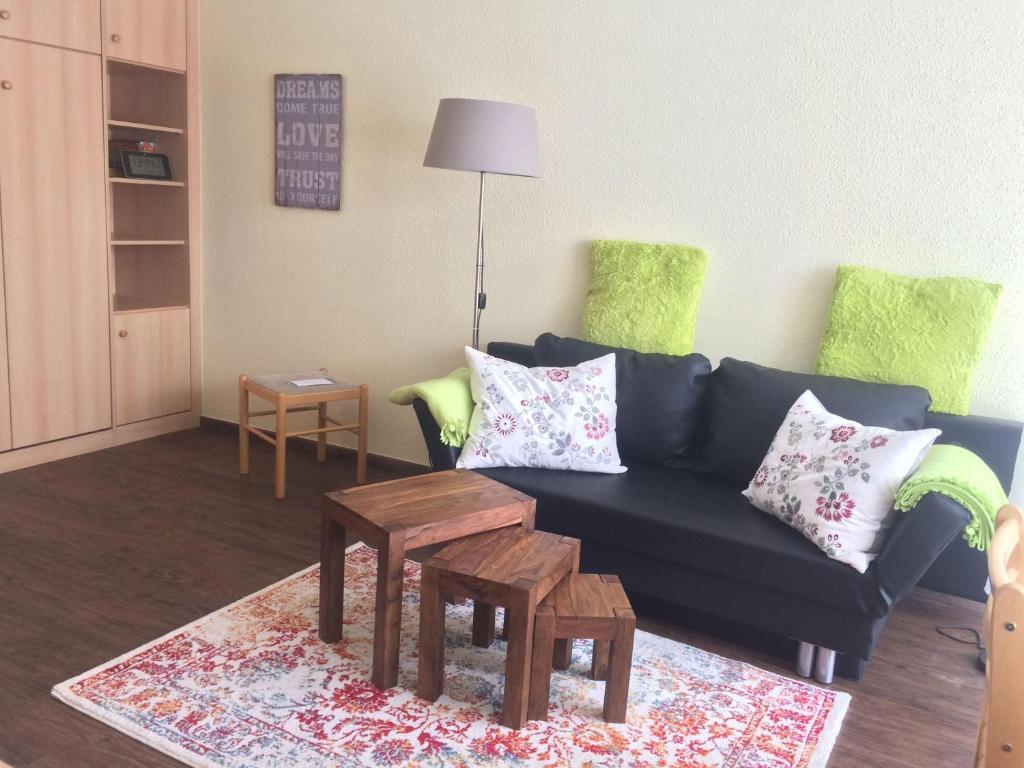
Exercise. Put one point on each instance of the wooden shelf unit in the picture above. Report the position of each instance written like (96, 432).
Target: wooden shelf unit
(99, 275)
(153, 224)
(149, 230)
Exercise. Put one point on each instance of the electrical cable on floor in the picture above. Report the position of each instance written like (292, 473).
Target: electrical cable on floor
(967, 636)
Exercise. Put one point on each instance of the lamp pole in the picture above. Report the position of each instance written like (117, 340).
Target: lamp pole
(479, 297)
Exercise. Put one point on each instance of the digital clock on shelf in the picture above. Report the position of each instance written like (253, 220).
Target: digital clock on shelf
(145, 165)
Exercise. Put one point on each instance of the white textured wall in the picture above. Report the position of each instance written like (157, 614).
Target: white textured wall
(783, 137)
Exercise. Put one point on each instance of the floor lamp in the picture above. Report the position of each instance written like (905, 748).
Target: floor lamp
(485, 137)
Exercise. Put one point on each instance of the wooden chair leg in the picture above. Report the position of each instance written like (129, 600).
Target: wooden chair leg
(280, 446)
(599, 662)
(517, 664)
(540, 667)
(364, 416)
(616, 692)
(243, 427)
(321, 438)
(483, 624)
(430, 680)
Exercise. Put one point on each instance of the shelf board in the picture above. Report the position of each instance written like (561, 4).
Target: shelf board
(120, 66)
(144, 126)
(132, 306)
(129, 241)
(149, 182)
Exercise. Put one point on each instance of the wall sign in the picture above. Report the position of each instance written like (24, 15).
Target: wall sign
(307, 141)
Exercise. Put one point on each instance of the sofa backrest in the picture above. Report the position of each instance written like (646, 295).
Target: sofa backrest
(747, 404)
(996, 441)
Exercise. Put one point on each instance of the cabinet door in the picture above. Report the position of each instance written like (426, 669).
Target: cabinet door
(145, 31)
(64, 23)
(5, 392)
(151, 364)
(52, 195)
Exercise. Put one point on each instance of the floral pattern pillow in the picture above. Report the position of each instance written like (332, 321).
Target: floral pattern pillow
(556, 418)
(834, 480)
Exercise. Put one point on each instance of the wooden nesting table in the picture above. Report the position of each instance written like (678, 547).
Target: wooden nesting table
(394, 518)
(512, 567)
(584, 606)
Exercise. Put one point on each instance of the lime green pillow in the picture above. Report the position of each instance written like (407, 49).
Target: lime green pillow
(644, 296)
(905, 330)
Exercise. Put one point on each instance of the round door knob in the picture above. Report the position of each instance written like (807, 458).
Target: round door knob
(5, 14)
(6, 85)
(122, 333)
(115, 38)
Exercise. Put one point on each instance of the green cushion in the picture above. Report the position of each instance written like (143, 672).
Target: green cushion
(644, 296)
(906, 330)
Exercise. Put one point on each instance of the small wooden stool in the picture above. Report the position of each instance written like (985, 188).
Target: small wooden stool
(512, 567)
(593, 607)
(288, 397)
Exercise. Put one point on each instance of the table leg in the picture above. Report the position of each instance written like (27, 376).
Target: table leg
(540, 673)
(561, 658)
(332, 579)
(280, 446)
(364, 415)
(430, 680)
(517, 663)
(616, 692)
(483, 624)
(243, 427)
(599, 662)
(529, 514)
(387, 630)
(321, 438)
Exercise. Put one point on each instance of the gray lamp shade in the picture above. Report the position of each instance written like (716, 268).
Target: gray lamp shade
(487, 136)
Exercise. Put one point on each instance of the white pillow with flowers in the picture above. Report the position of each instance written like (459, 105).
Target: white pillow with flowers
(834, 480)
(555, 418)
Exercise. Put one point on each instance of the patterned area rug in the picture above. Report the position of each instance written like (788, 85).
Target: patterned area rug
(252, 685)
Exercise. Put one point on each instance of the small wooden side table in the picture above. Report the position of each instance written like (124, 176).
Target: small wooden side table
(512, 567)
(395, 517)
(589, 606)
(289, 398)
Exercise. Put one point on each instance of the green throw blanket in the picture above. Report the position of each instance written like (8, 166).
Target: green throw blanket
(962, 476)
(449, 400)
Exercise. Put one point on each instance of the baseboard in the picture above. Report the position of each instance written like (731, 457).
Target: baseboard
(338, 451)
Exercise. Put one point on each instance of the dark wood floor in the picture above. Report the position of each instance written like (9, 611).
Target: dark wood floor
(104, 552)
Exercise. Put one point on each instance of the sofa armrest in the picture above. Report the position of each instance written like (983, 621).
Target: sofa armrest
(441, 456)
(522, 354)
(918, 537)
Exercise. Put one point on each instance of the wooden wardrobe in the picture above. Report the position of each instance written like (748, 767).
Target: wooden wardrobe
(100, 339)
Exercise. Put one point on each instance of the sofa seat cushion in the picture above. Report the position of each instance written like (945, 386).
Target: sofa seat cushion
(690, 519)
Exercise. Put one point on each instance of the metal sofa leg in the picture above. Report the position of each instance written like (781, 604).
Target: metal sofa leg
(804, 659)
(824, 666)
